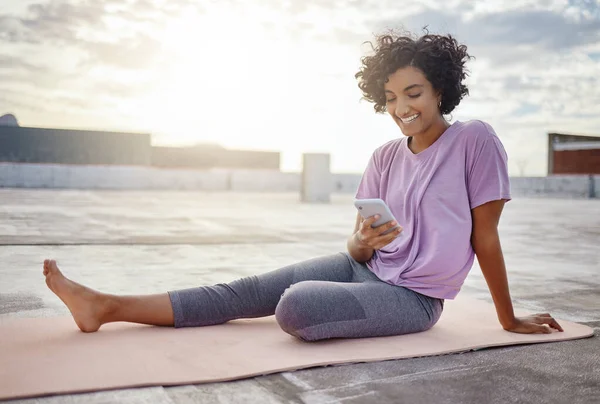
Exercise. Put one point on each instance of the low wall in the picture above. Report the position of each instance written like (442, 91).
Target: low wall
(107, 177)
(560, 186)
(139, 177)
(346, 183)
(263, 180)
(120, 177)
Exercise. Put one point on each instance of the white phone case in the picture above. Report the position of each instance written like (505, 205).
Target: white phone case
(372, 207)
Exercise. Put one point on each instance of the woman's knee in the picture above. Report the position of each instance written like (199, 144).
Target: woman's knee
(286, 312)
(296, 310)
(314, 310)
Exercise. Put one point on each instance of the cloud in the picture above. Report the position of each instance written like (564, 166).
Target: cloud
(25, 73)
(51, 54)
(540, 29)
(50, 101)
(11, 30)
(18, 63)
(54, 21)
(66, 22)
(129, 53)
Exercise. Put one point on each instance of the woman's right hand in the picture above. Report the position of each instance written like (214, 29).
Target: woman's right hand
(373, 237)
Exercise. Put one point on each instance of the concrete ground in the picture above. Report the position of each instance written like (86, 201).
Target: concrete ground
(147, 242)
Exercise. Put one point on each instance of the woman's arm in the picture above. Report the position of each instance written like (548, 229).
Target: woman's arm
(486, 244)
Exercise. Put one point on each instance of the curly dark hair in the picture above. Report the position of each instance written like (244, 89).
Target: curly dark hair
(440, 57)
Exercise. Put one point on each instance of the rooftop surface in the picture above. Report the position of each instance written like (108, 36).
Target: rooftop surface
(149, 242)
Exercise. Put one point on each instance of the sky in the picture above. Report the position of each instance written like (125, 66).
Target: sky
(279, 74)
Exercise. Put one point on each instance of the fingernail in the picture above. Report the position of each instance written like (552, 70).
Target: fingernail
(394, 223)
(377, 217)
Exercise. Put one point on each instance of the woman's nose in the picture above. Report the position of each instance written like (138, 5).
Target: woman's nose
(401, 110)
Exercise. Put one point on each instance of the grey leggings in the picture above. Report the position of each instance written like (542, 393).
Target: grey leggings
(327, 297)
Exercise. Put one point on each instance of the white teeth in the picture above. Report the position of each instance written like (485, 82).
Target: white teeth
(410, 118)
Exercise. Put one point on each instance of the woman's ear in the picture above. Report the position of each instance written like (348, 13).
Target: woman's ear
(438, 95)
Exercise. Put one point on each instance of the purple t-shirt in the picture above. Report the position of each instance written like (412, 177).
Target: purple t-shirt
(431, 194)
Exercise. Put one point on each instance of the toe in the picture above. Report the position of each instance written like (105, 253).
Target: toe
(50, 267)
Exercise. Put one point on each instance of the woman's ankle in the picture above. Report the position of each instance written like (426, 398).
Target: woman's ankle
(109, 308)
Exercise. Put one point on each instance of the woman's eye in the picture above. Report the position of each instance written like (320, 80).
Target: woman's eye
(414, 96)
(390, 100)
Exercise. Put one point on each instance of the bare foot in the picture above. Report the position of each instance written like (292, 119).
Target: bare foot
(87, 306)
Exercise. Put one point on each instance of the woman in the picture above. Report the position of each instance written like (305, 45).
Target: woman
(446, 185)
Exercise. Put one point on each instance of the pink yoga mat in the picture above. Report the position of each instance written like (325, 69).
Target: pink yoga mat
(45, 356)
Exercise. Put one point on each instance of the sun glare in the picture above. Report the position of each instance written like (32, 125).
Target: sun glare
(214, 84)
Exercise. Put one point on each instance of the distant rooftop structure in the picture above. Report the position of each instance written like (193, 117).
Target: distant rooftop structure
(8, 120)
(573, 154)
(20, 144)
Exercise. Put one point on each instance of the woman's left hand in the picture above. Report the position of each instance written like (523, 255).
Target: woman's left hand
(534, 324)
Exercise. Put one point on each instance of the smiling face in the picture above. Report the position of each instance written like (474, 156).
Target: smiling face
(412, 101)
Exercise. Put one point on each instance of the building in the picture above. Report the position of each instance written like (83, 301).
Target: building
(573, 154)
(61, 146)
(84, 147)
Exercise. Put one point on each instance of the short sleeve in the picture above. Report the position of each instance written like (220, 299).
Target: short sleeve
(370, 181)
(488, 175)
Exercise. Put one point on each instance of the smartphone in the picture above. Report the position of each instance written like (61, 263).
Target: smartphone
(372, 207)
